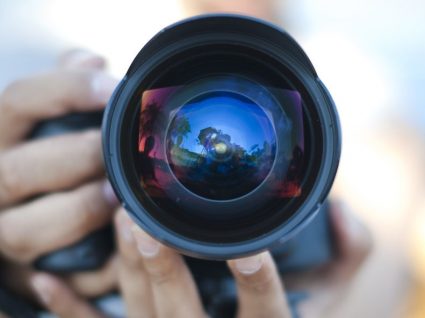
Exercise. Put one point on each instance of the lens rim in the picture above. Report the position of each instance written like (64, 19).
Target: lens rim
(283, 48)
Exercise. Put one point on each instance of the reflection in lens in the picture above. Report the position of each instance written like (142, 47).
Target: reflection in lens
(221, 145)
(218, 150)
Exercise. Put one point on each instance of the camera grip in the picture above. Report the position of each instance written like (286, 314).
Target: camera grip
(92, 251)
(87, 254)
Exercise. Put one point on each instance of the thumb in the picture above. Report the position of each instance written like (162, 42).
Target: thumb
(80, 58)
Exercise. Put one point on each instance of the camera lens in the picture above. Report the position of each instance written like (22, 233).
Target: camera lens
(222, 141)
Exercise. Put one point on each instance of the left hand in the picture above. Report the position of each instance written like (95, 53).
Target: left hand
(51, 189)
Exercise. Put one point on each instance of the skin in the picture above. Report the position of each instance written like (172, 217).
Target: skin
(264, 9)
(52, 190)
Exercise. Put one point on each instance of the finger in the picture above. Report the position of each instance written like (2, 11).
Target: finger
(79, 58)
(354, 243)
(46, 96)
(260, 291)
(133, 278)
(89, 284)
(95, 283)
(173, 288)
(49, 164)
(62, 162)
(60, 299)
(328, 285)
(53, 221)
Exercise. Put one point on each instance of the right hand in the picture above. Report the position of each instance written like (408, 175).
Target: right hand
(52, 192)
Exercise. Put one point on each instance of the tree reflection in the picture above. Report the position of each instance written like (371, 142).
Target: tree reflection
(213, 158)
(208, 161)
(150, 116)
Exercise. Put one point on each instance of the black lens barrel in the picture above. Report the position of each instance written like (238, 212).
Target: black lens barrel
(201, 49)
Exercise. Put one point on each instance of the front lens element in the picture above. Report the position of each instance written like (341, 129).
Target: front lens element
(223, 148)
(221, 145)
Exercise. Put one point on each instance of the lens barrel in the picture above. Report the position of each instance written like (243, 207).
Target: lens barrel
(221, 140)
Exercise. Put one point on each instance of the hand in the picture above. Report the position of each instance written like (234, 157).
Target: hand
(326, 286)
(155, 281)
(51, 190)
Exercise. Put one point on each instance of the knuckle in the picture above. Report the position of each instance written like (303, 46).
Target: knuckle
(79, 85)
(91, 142)
(11, 243)
(84, 209)
(162, 273)
(9, 180)
(9, 98)
(261, 286)
(132, 262)
(258, 284)
(91, 138)
(88, 208)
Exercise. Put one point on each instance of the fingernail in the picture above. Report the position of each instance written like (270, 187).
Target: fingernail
(249, 265)
(109, 194)
(146, 245)
(124, 228)
(41, 286)
(103, 86)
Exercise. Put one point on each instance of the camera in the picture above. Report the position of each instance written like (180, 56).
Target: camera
(220, 141)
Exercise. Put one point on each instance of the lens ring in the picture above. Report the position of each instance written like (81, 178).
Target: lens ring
(272, 43)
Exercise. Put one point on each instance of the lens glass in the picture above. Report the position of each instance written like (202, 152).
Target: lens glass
(221, 145)
(225, 146)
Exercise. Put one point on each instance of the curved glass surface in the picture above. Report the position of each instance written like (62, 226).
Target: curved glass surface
(221, 145)
(225, 149)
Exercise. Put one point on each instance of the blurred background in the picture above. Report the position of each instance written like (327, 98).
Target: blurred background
(369, 53)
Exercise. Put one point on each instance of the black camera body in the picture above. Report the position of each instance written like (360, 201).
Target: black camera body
(170, 146)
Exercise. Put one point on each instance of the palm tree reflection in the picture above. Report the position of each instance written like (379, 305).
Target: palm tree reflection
(208, 161)
(215, 166)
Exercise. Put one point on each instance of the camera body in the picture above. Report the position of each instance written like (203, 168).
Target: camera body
(159, 164)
